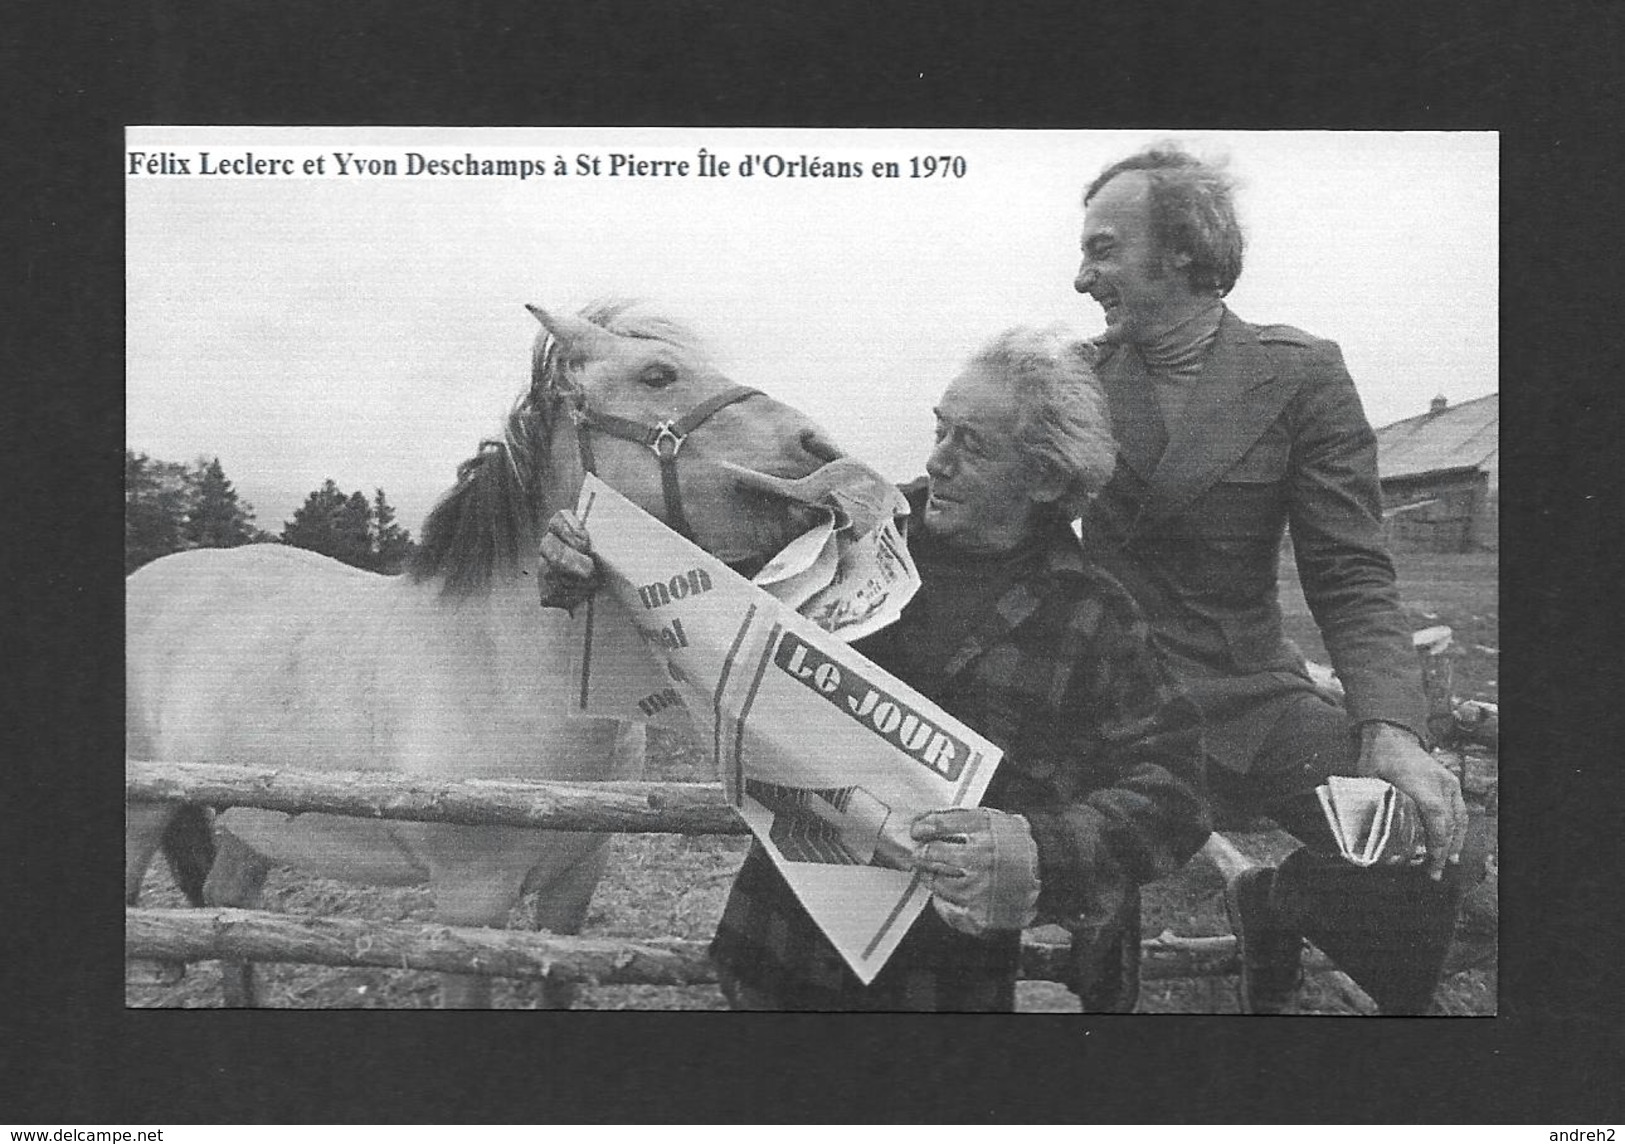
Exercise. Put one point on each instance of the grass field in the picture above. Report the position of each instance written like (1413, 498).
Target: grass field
(671, 885)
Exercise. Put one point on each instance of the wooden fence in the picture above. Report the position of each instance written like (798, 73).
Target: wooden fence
(641, 807)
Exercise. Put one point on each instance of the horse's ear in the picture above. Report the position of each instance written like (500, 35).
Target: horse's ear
(584, 338)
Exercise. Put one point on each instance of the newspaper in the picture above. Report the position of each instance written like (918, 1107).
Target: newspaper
(1372, 821)
(817, 747)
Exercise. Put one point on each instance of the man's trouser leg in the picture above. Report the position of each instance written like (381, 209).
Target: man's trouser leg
(1105, 957)
(1387, 928)
(901, 987)
(770, 955)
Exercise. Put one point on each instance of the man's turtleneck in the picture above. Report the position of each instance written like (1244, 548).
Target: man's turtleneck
(1174, 358)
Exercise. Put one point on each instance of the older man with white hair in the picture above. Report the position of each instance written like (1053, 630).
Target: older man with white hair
(1015, 633)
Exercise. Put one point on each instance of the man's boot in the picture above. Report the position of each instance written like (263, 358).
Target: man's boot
(1267, 945)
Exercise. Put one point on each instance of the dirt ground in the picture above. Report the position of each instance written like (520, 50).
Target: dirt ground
(675, 885)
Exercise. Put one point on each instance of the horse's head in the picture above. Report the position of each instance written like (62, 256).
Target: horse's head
(603, 383)
(652, 417)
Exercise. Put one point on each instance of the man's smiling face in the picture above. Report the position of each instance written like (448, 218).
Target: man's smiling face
(1141, 290)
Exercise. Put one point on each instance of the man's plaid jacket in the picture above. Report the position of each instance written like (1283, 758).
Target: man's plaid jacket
(1102, 756)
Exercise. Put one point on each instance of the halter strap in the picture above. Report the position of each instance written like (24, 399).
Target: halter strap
(664, 438)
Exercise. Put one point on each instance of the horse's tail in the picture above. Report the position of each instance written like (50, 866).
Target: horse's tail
(189, 846)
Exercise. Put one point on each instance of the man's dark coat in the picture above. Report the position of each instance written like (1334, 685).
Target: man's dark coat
(1273, 434)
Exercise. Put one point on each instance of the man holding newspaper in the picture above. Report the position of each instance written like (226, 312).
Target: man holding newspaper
(1016, 635)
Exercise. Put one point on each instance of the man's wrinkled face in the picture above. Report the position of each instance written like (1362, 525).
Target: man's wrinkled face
(981, 486)
(1123, 268)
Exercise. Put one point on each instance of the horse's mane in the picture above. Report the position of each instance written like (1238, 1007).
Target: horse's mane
(486, 524)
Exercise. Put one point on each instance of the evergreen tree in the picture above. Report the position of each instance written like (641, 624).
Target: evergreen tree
(349, 528)
(352, 523)
(157, 498)
(171, 507)
(314, 524)
(218, 518)
(392, 543)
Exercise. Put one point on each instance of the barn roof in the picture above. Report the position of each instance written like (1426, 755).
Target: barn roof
(1465, 436)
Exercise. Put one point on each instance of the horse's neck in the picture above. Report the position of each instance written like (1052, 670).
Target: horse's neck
(529, 640)
(504, 634)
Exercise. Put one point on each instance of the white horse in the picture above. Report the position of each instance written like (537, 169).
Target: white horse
(274, 655)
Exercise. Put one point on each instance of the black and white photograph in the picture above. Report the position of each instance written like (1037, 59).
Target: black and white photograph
(1162, 467)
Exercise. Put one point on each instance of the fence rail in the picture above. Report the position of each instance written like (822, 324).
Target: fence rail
(616, 807)
(257, 935)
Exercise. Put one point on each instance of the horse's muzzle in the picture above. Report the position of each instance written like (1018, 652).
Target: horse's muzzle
(860, 497)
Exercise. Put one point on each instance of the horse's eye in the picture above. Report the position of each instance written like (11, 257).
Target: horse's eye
(658, 376)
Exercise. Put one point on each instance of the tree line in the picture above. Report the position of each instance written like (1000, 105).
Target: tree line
(172, 507)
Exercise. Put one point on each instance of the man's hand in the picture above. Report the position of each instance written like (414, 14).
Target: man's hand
(569, 574)
(1395, 756)
(983, 865)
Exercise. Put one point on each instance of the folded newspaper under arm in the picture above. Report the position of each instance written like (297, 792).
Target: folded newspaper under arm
(1373, 822)
(818, 748)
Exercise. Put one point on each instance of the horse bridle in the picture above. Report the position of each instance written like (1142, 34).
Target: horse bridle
(664, 438)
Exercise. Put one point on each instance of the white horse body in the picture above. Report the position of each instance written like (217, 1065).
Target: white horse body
(275, 656)
(270, 655)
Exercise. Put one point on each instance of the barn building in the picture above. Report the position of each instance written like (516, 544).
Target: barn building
(1441, 477)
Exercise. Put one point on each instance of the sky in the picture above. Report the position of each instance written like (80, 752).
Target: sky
(370, 328)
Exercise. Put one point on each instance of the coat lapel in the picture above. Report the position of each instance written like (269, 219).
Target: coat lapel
(1237, 397)
(1136, 421)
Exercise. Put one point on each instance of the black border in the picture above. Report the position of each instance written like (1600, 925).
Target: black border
(1542, 74)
